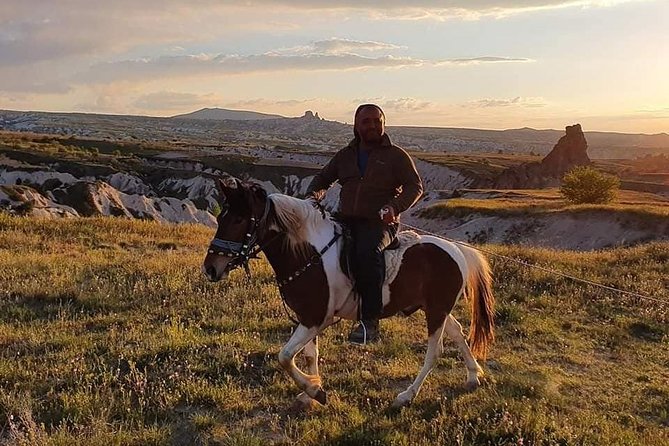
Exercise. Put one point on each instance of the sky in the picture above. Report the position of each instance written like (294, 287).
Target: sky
(493, 64)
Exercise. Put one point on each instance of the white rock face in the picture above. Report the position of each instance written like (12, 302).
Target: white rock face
(193, 188)
(103, 199)
(10, 177)
(129, 184)
(437, 177)
(110, 201)
(39, 204)
(297, 186)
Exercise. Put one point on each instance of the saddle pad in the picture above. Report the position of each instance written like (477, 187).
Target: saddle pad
(394, 257)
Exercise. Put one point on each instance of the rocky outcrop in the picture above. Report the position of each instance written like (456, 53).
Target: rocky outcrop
(25, 200)
(59, 194)
(570, 151)
(311, 115)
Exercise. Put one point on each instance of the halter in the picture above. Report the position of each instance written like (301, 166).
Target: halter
(241, 252)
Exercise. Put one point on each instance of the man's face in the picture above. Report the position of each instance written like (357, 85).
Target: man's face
(370, 125)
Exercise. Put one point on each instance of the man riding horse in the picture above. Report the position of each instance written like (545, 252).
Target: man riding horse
(378, 182)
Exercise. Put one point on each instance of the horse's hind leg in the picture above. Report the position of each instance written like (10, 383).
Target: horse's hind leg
(454, 331)
(311, 384)
(304, 401)
(434, 349)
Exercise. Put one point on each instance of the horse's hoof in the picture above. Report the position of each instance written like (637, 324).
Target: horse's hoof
(321, 397)
(399, 403)
(470, 386)
(304, 403)
(403, 399)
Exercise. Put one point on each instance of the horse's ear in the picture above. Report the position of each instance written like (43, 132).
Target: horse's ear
(229, 182)
(258, 191)
(227, 185)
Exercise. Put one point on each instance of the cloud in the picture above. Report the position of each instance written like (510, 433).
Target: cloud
(440, 9)
(406, 105)
(222, 64)
(480, 60)
(260, 102)
(338, 46)
(41, 30)
(655, 112)
(27, 79)
(514, 102)
(27, 42)
(201, 65)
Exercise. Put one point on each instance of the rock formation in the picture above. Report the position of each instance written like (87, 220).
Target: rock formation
(570, 151)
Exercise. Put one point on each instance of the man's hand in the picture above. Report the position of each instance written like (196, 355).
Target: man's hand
(317, 196)
(387, 214)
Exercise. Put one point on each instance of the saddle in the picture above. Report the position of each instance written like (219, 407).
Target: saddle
(346, 253)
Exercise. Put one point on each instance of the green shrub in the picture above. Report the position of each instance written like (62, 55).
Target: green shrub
(583, 184)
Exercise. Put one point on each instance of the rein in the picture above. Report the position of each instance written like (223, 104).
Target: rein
(314, 260)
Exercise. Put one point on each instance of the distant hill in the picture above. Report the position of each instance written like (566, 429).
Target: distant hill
(220, 114)
(237, 128)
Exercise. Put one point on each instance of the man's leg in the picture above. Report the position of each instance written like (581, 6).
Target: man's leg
(371, 238)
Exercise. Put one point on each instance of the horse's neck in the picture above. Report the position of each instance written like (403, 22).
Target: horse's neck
(283, 261)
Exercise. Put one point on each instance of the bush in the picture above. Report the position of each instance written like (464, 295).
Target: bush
(583, 184)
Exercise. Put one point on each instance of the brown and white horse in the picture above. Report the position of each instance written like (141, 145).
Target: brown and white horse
(301, 243)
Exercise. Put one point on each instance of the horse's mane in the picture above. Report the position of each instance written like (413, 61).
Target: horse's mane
(298, 219)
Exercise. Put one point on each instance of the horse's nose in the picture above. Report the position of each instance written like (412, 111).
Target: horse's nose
(210, 272)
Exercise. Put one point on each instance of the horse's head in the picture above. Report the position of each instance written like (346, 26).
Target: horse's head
(244, 208)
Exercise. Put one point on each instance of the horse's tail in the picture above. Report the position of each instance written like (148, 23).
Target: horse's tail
(478, 288)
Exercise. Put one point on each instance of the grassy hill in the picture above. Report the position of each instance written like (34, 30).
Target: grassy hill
(110, 335)
(524, 202)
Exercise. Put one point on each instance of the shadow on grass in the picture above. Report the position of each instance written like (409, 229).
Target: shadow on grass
(185, 430)
(431, 408)
(647, 332)
(24, 307)
(359, 436)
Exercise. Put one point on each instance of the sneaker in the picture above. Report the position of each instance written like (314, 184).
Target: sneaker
(367, 331)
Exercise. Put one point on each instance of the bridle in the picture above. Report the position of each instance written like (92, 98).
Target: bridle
(241, 252)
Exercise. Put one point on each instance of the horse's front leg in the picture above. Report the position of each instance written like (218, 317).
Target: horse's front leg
(303, 400)
(310, 384)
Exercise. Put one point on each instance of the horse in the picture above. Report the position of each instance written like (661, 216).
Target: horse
(302, 243)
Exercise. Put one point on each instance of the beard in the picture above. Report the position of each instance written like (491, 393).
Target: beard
(371, 136)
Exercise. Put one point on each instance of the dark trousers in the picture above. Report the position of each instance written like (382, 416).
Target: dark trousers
(370, 238)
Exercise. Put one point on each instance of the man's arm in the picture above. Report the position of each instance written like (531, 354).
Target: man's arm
(324, 179)
(412, 186)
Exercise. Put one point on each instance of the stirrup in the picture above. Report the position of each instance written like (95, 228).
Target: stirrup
(365, 338)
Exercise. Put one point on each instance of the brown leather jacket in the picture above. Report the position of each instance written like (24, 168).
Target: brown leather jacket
(390, 179)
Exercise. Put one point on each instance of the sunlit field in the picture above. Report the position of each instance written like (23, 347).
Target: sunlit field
(521, 202)
(111, 335)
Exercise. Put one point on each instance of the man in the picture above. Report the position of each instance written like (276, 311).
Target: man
(378, 182)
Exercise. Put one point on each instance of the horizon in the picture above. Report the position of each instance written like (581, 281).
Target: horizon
(343, 122)
(473, 64)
